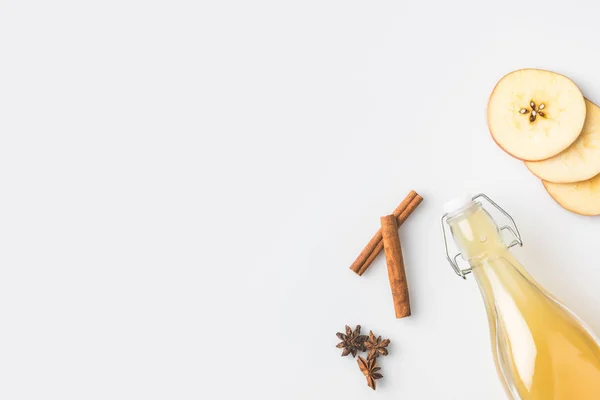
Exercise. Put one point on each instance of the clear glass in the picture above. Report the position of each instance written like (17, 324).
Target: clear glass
(541, 349)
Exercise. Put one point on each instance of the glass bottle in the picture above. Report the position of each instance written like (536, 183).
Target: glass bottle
(541, 349)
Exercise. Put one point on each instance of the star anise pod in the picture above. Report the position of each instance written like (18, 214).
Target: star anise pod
(376, 346)
(369, 368)
(351, 342)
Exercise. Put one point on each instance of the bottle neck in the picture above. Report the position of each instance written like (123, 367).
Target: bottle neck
(476, 235)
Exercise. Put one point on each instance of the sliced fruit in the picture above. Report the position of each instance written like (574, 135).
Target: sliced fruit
(581, 161)
(579, 197)
(535, 114)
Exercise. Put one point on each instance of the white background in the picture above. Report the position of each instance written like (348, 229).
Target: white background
(183, 185)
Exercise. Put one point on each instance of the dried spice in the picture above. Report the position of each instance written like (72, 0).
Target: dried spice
(374, 247)
(370, 369)
(376, 346)
(352, 342)
(395, 266)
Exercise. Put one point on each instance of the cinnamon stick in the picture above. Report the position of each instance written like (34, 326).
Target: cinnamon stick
(375, 245)
(395, 266)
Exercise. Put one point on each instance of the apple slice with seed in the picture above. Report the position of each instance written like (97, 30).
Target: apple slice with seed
(581, 161)
(535, 114)
(579, 197)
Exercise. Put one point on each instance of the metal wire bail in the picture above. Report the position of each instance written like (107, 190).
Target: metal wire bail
(512, 229)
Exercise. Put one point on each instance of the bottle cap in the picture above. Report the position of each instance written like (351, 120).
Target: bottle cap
(457, 204)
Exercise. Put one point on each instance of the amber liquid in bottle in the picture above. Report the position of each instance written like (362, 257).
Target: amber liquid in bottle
(541, 349)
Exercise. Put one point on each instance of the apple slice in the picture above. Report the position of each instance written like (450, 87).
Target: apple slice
(579, 197)
(581, 161)
(535, 114)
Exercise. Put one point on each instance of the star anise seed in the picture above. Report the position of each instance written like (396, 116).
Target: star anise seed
(351, 342)
(370, 370)
(376, 346)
